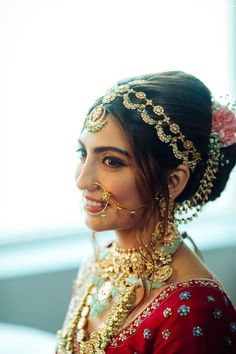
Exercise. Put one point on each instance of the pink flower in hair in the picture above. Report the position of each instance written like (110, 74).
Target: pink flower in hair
(224, 123)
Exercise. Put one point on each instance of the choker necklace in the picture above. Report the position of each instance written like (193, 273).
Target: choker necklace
(115, 278)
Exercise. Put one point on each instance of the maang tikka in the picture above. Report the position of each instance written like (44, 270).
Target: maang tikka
(168, 132)
(138, 101)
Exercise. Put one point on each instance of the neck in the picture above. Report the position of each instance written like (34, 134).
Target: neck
(128, 238)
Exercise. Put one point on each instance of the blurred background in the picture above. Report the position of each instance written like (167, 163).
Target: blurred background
(56, 58)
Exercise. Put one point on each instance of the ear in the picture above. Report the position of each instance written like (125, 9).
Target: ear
(177, 181)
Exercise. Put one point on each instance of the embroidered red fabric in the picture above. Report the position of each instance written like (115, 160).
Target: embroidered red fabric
(194, 317)
(191, 317)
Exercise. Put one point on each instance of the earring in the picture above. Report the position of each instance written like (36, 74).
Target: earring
(165, 242)
(165, 230)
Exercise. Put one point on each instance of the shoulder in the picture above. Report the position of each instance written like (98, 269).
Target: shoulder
(185, 317)
(196, 314)
(188, 265)
(196, 298)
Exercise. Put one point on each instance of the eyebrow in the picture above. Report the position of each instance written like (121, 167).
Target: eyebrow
(101, 149)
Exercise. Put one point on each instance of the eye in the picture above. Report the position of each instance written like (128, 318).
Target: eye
(113, 162)
(81, 153)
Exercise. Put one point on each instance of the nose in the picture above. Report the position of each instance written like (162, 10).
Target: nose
(85, 177)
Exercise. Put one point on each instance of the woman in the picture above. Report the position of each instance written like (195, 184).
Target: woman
(152, 152)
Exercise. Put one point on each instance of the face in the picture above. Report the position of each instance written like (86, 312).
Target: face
(106, 158)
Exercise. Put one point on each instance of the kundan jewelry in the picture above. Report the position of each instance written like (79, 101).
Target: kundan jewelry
(222, 135)
(137, 100)
(115, 278)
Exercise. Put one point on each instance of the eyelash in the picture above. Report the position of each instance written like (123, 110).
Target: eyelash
(114, 161)
(81, 152)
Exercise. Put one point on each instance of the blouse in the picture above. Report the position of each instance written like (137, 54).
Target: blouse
(194, 317)
(190, 317)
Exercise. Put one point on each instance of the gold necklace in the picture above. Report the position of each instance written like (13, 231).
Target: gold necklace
(116, 276)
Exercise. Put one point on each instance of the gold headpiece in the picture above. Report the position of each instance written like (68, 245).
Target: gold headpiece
(183, 149)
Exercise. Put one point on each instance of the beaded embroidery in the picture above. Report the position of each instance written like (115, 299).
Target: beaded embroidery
(197, 331)
(184, 310)
(233, 326)
(166, 333)
(147, 334)
(132, 328)
(210, 299)
(217, 314)
(185, 295)
(229, 341)
(167, 312)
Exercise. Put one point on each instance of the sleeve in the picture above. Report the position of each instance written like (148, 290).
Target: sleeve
(197, 322)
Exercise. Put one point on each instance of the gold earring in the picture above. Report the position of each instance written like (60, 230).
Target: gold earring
(165, 241)
(166, 231)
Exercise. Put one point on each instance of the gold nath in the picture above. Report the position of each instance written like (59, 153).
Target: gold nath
(183, 149)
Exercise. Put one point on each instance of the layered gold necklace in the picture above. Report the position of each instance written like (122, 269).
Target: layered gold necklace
(114, 281)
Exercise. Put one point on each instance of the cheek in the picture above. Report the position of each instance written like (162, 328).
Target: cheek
(125, 191)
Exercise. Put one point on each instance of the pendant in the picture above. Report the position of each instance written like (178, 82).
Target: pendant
(105, 291)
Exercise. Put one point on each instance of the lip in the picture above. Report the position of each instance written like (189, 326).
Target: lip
(94, 209)
(93, 199)
(91, 208)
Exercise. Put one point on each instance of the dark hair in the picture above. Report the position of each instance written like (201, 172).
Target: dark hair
(188, 102)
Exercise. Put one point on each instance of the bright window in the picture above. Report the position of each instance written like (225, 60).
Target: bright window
(56, 57)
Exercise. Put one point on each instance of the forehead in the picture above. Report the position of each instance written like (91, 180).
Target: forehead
(110, 135)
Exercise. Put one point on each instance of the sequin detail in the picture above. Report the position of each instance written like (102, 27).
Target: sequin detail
(211, 299)
(183, 310)
(229, 341)
(166, 333)
(167, 312)
(185, 295)
(147, 334)
(233, 326)
(197, 331)
(217, 314)
(131, 329)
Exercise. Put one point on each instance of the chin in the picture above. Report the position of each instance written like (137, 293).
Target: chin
(96, 224)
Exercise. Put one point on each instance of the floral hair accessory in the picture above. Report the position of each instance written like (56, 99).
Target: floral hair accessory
(222, 135)
(224, 123)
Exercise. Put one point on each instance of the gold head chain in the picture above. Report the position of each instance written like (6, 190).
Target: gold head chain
(183, 149)
(97, 118)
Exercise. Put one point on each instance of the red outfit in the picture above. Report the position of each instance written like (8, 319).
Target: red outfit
(192, 317)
